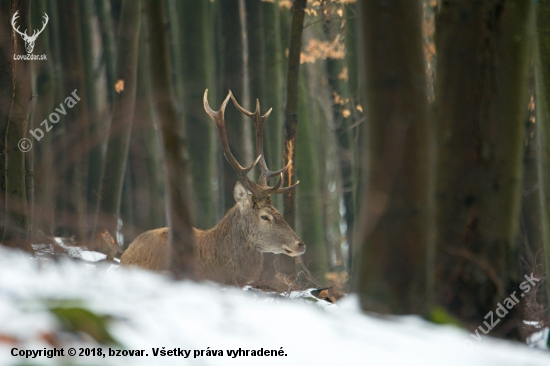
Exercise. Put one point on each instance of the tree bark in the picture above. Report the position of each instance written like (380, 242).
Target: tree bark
(180, 238)
(198, 71)
(6, 85)
(542, 104)
(73, 218)
(16, 230)
(233, 78)
(287, 264)
(391, 266)
(481, 94)
(44, 89)
(116, 156)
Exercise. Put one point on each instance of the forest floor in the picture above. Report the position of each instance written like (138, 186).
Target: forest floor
(47, 304)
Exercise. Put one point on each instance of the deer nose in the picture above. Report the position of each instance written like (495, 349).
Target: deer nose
(301, 246)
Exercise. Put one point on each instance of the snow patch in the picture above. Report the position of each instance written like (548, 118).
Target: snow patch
(149, 310)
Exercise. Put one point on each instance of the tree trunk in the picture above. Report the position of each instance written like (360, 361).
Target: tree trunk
(287, 265)
(198, 71)
(180, 238)
(309, 209)
(45, 91)
(116, 156)
(6, 85)
(149, 141)
(481, 93)
(391, 266)
(108, 43)
(97, 127)
(16, 231)
(542, 92)
(73, 218)
(233, 78)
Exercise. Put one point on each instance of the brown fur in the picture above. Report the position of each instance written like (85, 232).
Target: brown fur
(230, 252)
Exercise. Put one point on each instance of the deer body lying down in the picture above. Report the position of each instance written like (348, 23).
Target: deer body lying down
(230, 252)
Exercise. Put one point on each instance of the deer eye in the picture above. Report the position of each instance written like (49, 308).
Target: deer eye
(265, 217)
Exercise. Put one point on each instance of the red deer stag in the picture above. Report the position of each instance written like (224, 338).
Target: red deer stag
(231, 252)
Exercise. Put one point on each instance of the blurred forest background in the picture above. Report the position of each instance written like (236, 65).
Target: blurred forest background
(424, 176)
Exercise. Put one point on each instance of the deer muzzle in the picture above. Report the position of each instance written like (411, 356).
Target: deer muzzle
(296, 249)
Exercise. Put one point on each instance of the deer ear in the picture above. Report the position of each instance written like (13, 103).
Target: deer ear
(240, 193)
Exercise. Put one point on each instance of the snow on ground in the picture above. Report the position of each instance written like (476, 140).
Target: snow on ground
(150, 311)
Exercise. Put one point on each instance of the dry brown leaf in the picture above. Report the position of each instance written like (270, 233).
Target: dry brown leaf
(119, 86)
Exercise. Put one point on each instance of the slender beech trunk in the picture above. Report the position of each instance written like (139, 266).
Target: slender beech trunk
(6, 85)
(542, 103)
(116, 155)
(44, 89)
(267, 84)
(73, 219)
(340, 73)
(96, 131)
(391, 266)
(198, 71)
(149, 141)
(108, 43)
(180, 221)
(16, 231)
(272, 81)
(310, 211)
(233, 78)
(291, 120)
(481, 94)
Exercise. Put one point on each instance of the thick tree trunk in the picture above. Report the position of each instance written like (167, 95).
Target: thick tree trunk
(116, 155)
(481, 93)
(16, 231)
(180, 238)
(391, 266)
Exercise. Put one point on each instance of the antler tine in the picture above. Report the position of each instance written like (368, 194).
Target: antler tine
(258, 120)
(35, 32)
(219, 119)
(265, 174)
(15, 16)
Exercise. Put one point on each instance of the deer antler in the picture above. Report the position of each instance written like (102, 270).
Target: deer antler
(15, 16)
(260, 190)
(265, 174)
(36, 33)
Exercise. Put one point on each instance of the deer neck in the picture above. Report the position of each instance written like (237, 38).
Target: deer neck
(232, 227)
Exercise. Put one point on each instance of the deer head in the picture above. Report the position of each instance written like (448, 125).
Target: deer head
(29, 40)
(267, 230)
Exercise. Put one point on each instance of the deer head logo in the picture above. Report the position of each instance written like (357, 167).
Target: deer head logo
(29, 40)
